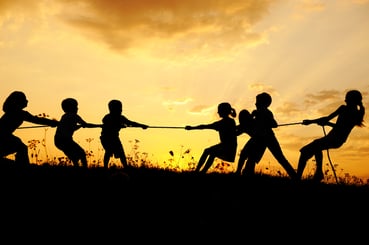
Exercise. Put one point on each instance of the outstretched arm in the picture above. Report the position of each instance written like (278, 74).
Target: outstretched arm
(82, 123)
(41, 120)
(322, 121)
(91, 125)
(137, 125)
(125, 122)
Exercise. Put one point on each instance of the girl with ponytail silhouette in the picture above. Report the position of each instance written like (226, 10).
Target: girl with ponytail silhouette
(226, 149)
(348, 116)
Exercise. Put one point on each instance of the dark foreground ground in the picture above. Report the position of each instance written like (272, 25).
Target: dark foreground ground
(65, 205)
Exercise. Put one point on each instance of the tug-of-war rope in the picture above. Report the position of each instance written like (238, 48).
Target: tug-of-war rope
(179, 127)
(169, 127)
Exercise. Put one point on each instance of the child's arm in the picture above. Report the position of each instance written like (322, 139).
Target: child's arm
(271, 120)
(40, 120)
(85, 124)
(265, 117)
(91, 125)
(188, 127)
(136, 124)
(322, 121)
(201, 126)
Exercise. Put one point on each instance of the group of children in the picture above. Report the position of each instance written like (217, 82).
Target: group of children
(258, 125)
(14, 115)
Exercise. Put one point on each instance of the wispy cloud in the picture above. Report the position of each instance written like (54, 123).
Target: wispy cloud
(323, 96)
(202, 109)
(261, 87)
(171, 104)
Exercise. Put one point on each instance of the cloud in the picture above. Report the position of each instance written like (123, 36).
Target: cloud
(178, 26)
(324, 102)
(177, 102)
(324, 96)
(188, 29)
(261, 87)
(314, 105)
(202, 109)
(288, 108)
(171, 104)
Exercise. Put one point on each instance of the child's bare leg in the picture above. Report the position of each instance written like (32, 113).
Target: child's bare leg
(249, 168)
(21, 157)
(318, 176)
(202, 160)
(106, 160)
(208, 164)
(124, 162)
(241, 163)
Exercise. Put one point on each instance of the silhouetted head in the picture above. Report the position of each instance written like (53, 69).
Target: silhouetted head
(353, 97)
(263, 100)
(15, 101)
(115, 106)
(70, 105)
(225, 109)
(244, 117)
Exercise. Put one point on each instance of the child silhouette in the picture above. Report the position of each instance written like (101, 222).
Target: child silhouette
(112, 123)
(68, 124)
(252, 151)
(14, 115)
(348, 116)
(226, 149)
(264, 135)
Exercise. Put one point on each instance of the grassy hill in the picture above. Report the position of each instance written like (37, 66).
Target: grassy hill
(66, 202)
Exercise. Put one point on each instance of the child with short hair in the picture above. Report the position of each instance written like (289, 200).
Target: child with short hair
(265, 137)
(112, 123)
(68, 124)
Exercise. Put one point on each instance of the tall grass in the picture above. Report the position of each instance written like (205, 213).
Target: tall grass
(181, 161)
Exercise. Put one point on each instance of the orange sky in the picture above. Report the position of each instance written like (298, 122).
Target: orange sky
(172, 62)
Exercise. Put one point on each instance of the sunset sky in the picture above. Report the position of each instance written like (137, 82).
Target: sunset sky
(171, 62)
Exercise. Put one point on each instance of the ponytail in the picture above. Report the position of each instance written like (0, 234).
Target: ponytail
(233, 113)
(361, 113)
(355, 98)
(225, 109)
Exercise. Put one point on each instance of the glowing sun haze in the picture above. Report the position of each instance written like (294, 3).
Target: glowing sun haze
(172, 62)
